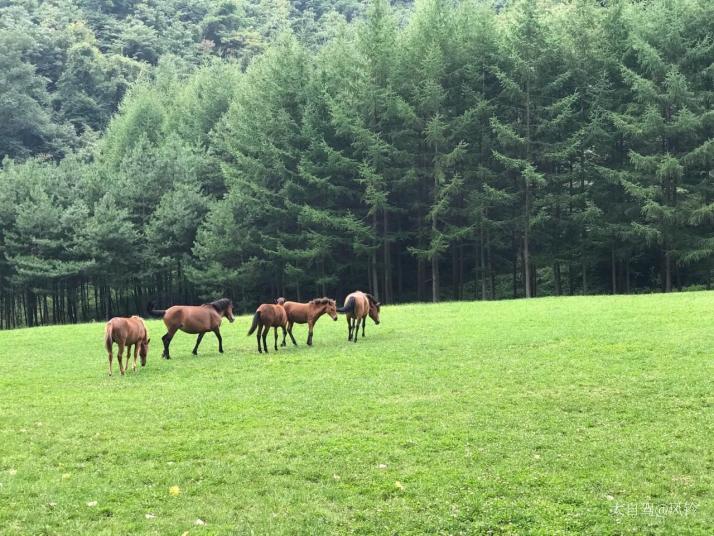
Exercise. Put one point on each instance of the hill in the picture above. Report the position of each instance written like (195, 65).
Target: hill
(556, 415)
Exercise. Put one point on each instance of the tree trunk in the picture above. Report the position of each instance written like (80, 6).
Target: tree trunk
(667, 272)
(613, 269)
(482, 263)
(515, 272)
(461, 271)
(387, 297)
(420, 280)
(527, 200)
(434, 278)
(556, 277)
(526, 247)
(585, 279)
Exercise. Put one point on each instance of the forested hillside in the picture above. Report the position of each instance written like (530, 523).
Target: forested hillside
(179, 150)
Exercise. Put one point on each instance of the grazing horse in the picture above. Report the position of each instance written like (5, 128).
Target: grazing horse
(194, 319)
(126, 332)
(301, 313)
(268, 316)
(357, 306)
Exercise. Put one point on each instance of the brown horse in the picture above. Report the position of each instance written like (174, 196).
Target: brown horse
(309, 313)
(194, 319)
(357, 306)
(126, 332)
(268, 316)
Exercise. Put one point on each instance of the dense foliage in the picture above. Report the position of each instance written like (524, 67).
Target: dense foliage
(456, 151)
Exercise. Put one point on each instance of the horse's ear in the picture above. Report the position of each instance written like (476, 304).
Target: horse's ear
(148, 341)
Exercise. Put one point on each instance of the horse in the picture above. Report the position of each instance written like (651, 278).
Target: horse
(357, 306)
(268, 316)
(194, 319)
(301, 313)
(126, 332)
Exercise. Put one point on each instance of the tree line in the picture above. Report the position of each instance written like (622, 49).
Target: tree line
(458, 151)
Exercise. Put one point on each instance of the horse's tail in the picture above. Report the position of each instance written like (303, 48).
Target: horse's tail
(158, 313)
(349, 306)
(254, 325)
(108, 339)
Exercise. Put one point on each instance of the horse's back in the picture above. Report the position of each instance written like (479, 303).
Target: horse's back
(192, 318)
(273, 315)
(296, 311)
(126, 330)
(174, 313)
(361, 303)
(138, 327)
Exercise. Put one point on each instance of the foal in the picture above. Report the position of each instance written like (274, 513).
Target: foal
(268, 316)
(126, 332)
(307, 313)
(357, 306)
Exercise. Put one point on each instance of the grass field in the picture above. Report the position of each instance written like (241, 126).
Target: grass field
(551, 416)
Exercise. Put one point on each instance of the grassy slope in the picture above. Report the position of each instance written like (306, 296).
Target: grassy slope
(512, 417)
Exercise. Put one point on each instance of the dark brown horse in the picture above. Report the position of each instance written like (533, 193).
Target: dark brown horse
(307, 313)
(357, 306)
(268, 316)
(195, 319)
(126, 332)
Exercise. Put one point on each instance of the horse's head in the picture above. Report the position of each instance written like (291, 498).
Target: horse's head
(144, 351)
(280, 301)
(325, 306)
(331, 309)
(374, 307)
(228, 312)
(223, 307)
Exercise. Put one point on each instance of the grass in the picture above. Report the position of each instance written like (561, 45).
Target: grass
(549, 416)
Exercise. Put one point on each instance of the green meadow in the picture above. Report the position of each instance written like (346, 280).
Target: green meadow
(583, 415)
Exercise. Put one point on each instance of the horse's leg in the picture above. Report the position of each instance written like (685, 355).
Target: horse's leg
(111, 358)
(355, 329)
(275, 330)
(260, 331)
(167, 341)
(349, 328)
(128, 357)
(198, 341)
(285, 330)
(364, 321)
(120, 354)
(290, 332)
(309, 333)
(285, 334)
(136, 354)
(217, 331)
(266, 329)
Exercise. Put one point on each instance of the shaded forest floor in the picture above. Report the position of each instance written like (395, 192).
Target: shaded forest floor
(556, 415)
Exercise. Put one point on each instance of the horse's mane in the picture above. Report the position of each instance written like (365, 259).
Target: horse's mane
(320, 301)
(220, 305)
(372, 299)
